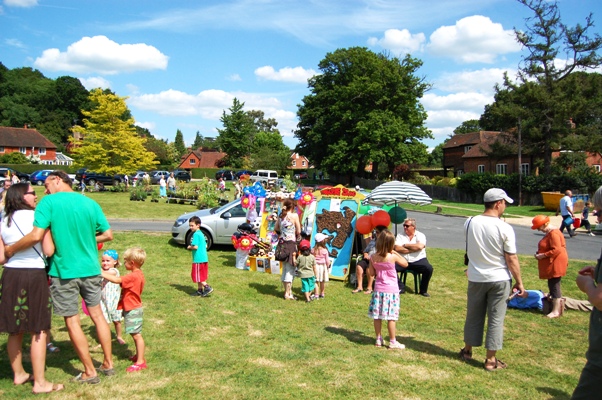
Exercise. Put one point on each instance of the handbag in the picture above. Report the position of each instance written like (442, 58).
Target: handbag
(281, 253)
(466, 251)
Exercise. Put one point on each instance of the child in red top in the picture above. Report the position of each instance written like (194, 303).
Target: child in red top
(130, 302)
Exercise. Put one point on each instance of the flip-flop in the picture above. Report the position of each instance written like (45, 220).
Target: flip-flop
(367, 291)
(56, 387)
(29, 379)
(497, 365)
(356, 291)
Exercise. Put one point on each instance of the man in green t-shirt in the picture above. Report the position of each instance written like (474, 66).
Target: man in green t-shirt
(77, 224)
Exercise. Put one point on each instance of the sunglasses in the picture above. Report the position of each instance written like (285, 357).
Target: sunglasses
(407, 226)
(32, 192)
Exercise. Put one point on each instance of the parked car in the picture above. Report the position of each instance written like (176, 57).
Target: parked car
(23, 177)
(182, 175)
(243, 172)
(39, 177)
(155, 176)
(217, 224)
(266, 176)
(90, 177)
(225, 174)
(301, 175)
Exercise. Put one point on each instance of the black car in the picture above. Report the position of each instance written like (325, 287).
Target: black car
(182, 176)
(224, 174)
(23, 177)
(90, 177)
(243, 172)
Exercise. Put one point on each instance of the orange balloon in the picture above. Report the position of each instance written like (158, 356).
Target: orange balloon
(381, 217)
(364, 224)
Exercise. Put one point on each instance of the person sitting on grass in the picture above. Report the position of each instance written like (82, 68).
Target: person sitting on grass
(200, 260)
(130, 302)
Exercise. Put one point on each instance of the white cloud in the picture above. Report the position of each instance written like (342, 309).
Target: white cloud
(20, 3)
(456, 101)
(286, 74)
(148, 125)
(234, 78)
(482, 81)
(473, 39)
(14, 43)
(399, 42)
(99, 54)
(95, 82)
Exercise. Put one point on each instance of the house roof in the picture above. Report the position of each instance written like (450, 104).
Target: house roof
(207, 159)
(483, 149)
(23, 137)
(464, 139)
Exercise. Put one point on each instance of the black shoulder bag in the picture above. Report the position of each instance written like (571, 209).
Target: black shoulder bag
(466, 251)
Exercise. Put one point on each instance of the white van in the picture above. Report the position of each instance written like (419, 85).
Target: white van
(265, 175)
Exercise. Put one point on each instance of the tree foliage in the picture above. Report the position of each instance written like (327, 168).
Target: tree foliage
(364, 107)
(179, 143)
(110, 143)
(235, 139)
(471, 125)
(550, 93)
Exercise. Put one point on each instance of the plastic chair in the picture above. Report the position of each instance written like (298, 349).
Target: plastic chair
(417, 279)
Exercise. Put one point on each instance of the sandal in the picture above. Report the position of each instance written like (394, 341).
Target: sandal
(367, 291)
(465, 355)
(496, 365)
(356, 291)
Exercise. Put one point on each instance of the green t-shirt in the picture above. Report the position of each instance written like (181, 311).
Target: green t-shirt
(74, 221)
(199, 255)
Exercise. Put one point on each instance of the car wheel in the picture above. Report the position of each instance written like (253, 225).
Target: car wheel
(207, 238)
(39, 183)
(91, 182)
(188, 238)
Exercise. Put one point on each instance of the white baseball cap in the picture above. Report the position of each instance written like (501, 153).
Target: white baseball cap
(496, 194)
(320, 237)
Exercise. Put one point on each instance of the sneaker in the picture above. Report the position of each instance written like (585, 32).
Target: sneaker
(591, 234)
(396, 345)
(379, 342)
(197, 293)
(321, 296)
(207, 291)
(313, 297)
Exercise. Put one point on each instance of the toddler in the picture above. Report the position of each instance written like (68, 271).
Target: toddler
(320, 253)
(385, 298)
(130, 302)
(306, 265)
(110, 292)
(584, 218)
(200, 260)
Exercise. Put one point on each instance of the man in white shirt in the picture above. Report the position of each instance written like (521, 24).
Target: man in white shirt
(412, 246)
(566, 210)
(491, 249)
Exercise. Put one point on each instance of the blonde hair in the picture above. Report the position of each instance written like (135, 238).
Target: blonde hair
(136, 255)
(385, 243)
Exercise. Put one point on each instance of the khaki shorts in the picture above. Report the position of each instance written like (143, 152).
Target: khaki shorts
(66, 292)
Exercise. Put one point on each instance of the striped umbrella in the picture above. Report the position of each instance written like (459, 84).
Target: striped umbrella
(397, 192)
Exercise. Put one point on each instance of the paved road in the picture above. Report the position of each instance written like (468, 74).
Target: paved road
(441, 231)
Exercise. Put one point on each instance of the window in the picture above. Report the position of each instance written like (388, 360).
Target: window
(192, 161)
(467, 149)
(524, 169)
(596, 166)
(481, 169)
(460, 172)
(294, 163)
(1, 149)
(23, 150)
(303, 163)
(501, 169)
(42, 150)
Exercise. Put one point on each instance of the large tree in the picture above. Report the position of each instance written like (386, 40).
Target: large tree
(235, 139)
(543, 99)
(179, 143)
(363, 107)
(110, 143)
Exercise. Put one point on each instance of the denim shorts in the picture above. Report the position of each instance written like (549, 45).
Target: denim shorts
(65, 294)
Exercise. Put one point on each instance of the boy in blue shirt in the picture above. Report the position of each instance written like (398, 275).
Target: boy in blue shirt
(200, 260)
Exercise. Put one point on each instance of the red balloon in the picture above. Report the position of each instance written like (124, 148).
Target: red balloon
(364, 225)
(381, 217)
(99, 246)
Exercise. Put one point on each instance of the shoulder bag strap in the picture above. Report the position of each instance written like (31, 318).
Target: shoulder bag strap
(33, 247)
(467, 226)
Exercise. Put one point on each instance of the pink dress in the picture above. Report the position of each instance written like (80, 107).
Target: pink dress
(385, 300)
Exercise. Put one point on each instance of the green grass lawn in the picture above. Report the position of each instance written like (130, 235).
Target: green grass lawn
(246, 342)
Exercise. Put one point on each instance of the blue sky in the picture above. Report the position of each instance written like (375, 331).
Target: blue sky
(182, 62)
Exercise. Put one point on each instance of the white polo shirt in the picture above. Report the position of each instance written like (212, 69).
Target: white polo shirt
(419, 237)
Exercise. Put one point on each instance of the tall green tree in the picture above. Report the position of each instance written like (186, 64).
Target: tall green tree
(110, 143)
(179, 143)
(468, 126)
(235, 139)
(198, 141)
(541, 100)
(363, 107)
(269, 151)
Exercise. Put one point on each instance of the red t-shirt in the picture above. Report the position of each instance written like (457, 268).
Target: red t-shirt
(132, 285)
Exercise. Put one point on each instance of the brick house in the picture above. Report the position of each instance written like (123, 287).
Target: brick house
(298, 162)
(472, 152)
(200, 159)
(27, 141)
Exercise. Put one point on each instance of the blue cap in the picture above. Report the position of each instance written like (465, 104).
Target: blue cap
(111, 253)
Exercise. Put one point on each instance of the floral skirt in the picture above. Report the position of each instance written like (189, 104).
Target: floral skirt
(25, 304)
(384, 306)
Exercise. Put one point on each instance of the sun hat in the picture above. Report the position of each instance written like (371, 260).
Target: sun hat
(496, 194)
(539, 221)
(320, 237)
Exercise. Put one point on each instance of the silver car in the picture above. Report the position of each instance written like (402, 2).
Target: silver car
(217, 224)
